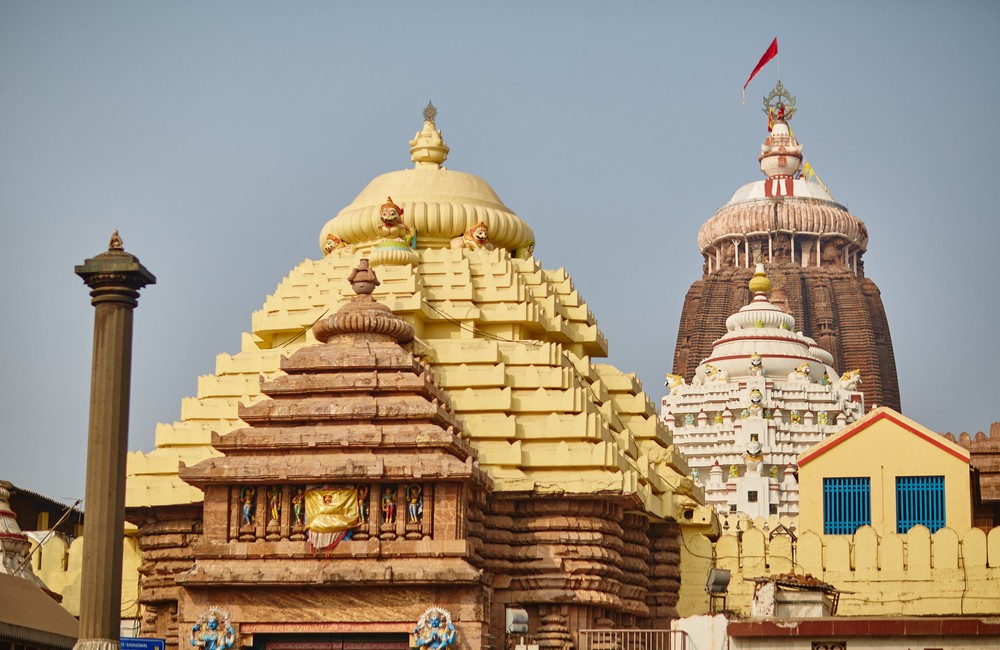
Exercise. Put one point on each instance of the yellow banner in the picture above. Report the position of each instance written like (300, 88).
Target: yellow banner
(330, 509)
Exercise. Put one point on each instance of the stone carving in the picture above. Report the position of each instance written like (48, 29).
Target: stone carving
(414, 503)
(850, 379)
(753, 457)
(713, 374)
(363, 507)
(248, 508)
(435, 630)
(734, 471)
(800, 374)
(756, 402)
(673, 381)
(299, 508)
(273, 504)
(476, 238)
(389, 504)
(392, 227)
(334, 243)
(756, 365)
(213, 630)
(525, 251)
(822, 418)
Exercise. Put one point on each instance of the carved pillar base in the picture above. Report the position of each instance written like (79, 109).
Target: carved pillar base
(97, 644)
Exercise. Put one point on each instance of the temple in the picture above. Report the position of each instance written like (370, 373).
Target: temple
(813, 248)
(764, 395)
(416, 445)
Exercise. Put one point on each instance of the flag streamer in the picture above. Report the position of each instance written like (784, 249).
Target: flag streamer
(770, 53)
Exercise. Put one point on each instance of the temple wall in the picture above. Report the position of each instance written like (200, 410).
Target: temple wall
(915, 574)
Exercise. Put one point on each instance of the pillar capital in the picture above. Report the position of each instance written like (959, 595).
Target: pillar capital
(115, 275)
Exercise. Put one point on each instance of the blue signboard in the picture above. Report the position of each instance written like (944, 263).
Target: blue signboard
(143, 644)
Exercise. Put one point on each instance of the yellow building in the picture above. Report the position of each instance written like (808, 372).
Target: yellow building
(888, 472)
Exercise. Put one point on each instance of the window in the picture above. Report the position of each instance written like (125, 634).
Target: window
(732, 507)
(752, 496)
(773, 508)
(847, 505)
(919, 501)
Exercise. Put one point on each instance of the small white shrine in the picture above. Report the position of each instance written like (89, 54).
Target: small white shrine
(766, 394)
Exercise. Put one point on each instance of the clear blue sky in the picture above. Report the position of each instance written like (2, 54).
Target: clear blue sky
(219, 138)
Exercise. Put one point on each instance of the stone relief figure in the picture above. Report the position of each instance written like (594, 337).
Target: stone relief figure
(299, 507)
(476, 238)
(833, 252)
(363, 508)
(335, 243)
(800, 374)
(274, 503)
(414, 504)
(213, 631)
(249, 509)
(756, 365)
(673, 381)
(389, 504)
(715, 374)
(781, 246)
(850, 379)
(392, 226)
(435, 630)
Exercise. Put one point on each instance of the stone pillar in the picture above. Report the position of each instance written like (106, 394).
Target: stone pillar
(114, 278)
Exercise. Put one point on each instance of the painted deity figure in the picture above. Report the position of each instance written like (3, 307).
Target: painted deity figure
(274, 503)
(363, 513)
(414, 504)
(298, 506)
(205, 633)
(389, 504)
(435, 630)
(734, 471)
(823, 418)
(689, 419)
(248, 508)
(392, 226)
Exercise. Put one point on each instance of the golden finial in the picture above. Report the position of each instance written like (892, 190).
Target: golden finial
(759, 283)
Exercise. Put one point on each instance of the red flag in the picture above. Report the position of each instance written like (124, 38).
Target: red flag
(772, 51)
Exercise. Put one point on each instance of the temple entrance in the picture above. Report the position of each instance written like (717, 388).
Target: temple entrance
(346, 641)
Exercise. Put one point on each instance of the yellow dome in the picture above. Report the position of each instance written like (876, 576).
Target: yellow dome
(438, 203)
(760, 283)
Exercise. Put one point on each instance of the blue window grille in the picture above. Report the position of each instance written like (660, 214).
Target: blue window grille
(847, 505)
(919, 501)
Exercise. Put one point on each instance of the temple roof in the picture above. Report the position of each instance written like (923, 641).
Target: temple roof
(511, 344)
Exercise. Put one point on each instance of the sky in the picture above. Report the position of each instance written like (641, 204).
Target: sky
(220, 137)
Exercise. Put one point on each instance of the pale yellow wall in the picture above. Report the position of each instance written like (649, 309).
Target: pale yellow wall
(882, 450)
(916, 574)
(59, 566)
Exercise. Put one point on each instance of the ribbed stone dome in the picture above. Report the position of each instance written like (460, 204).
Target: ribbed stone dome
(440, 204)
(811, 211)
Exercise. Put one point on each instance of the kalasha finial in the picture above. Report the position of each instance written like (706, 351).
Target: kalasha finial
(363, 279)
(116, 242)
(430, 113)
(779, 103)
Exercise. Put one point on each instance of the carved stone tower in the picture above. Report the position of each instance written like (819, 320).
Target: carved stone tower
(812, 247)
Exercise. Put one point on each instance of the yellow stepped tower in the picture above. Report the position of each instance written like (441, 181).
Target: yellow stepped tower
(512, 343)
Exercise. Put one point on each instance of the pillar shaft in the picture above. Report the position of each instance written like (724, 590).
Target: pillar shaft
(115, 278)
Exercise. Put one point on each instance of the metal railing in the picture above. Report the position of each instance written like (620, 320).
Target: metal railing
(633, 640)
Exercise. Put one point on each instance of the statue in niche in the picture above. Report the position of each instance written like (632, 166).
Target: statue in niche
(435, 630)
(476, 238)
(796, 417)
(213, 631)
(756, 365)
(833, 253)
(274, 503)
(695, 476)
(734, 471)
(389, 504)
(249, 508)
(774, 472)
(363, 508)
(299, 507)
(718, 417)
(391, 224)
(689, 419)
(780, 246)
(414, 504)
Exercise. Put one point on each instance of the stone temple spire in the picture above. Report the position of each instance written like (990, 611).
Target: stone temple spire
(813, 248)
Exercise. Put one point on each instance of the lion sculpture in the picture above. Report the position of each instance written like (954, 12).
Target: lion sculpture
(850, 379)
(800, 374)
(476, 238)
(673, 381)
